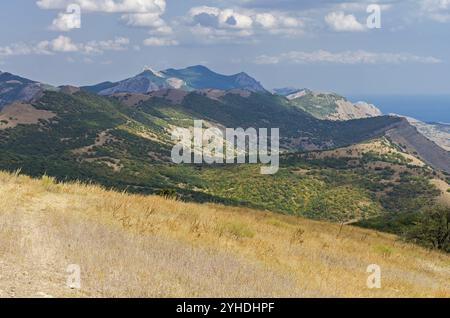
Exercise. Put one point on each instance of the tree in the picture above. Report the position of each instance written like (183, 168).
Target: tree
(432, 228)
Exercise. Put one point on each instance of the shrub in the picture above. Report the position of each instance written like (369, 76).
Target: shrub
(432, 229)
(167, 193)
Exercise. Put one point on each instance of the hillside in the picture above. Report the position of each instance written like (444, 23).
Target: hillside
(137, 246)
(429, 142)
(65, 138)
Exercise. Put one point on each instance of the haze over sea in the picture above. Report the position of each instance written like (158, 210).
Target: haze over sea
(427, 108)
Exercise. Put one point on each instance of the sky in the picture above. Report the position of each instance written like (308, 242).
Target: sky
(349, 47)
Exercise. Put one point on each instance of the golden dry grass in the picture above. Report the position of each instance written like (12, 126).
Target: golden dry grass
(147, 246)
(22, 113)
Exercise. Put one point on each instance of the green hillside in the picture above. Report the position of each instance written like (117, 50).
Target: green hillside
(94, 138)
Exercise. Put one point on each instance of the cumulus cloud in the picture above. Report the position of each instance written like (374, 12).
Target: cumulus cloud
(66, 21)
(98, 47)
(215, 17)
(137, 13)
(230, 23)
(22, 49)
(64, 44)
(109, 6)
(346, 57)
(154, 41)
(437, 10)
(152, 20)
(341, 22)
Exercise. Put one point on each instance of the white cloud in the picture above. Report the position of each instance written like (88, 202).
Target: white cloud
(109, 6)
(137, 13)
(98, 47)
(152, 20)
(220, 18)
(154, 41)
(17, 49)
(340, 22)
(266, 20)
(437, 10)
(64, 44)
(361, 6)
(65, 22)
(226, 24)
(346, 57)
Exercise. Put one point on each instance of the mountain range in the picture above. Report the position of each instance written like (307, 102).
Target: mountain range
(190, 78)
(119, 135)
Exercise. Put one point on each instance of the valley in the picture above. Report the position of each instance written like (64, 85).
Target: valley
(377, 172)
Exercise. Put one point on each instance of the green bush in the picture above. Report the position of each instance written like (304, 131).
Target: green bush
(432, 229)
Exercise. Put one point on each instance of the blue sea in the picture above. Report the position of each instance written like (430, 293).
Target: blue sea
(427, 108)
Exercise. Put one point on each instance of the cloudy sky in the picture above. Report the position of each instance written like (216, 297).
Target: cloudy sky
(320, 44)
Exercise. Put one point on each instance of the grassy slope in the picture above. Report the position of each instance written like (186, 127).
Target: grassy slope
(130, 245)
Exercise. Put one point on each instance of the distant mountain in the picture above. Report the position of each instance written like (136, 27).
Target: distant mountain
(145, 82)
(331, 106)
(200, 77)
(188, 79)
(285, 91)
(15, 88)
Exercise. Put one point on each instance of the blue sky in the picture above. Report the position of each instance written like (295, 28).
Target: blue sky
(319, 44)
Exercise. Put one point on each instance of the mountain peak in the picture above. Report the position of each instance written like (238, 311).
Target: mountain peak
(199, 67)
(15, 88)
(147, 70)
(195, 77)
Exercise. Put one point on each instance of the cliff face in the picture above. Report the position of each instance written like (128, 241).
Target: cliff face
(413, 142)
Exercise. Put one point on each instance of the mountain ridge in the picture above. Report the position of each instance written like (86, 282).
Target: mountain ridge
(190, 78)
(16, 88)
(259, 106)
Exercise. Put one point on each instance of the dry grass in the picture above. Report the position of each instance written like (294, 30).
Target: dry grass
(129, 245)
(22, 113)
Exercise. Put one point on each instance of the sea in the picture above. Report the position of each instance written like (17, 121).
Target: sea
(427, 108)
